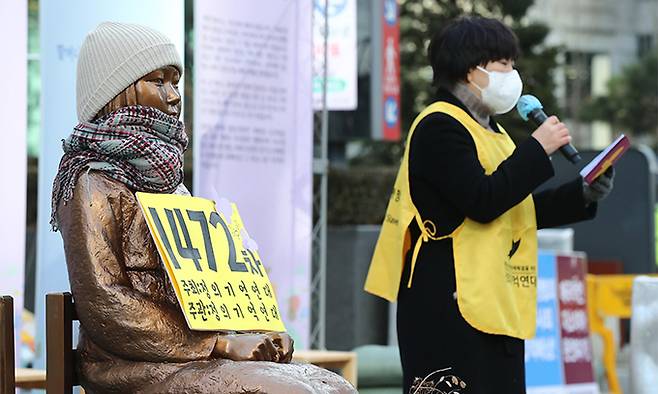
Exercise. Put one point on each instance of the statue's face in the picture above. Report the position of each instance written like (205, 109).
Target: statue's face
(159, 89)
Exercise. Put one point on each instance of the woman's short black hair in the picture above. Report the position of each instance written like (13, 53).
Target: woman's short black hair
(468, 42)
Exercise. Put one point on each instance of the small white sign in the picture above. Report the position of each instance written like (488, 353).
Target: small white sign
(341, 54)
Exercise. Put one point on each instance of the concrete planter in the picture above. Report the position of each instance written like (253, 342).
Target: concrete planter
(354, 317)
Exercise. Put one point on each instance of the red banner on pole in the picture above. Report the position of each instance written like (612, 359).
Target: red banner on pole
(390, 71)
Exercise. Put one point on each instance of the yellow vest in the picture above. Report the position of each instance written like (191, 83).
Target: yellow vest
(495, 263)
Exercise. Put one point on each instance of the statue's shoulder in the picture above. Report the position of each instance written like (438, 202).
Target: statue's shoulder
(96, 185)
(97, 200)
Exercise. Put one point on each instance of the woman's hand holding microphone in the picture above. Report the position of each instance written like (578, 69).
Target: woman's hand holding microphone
(552, 135)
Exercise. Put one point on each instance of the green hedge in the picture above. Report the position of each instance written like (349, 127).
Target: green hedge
(359, 195)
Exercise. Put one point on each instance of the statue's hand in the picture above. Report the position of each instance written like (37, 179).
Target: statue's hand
(246, 347)
(284, 344)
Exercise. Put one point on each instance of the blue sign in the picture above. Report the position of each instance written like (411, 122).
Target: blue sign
(543, 356)
(391, 111)
(390, 11)
(335, 6)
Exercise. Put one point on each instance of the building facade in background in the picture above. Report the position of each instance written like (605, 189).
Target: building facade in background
(599, 38)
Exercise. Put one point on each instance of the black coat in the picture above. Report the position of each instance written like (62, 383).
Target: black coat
(448, 184)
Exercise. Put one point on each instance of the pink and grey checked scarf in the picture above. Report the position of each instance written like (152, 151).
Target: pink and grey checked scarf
(141, 147)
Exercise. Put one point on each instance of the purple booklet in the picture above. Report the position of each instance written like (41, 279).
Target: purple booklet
(605, 159)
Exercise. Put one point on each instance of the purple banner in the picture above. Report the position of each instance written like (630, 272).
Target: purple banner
(253, 134)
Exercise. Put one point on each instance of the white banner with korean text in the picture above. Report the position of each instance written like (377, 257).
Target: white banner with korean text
(253, 133)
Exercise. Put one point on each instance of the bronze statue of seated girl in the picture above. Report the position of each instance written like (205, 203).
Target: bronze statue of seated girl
(133, 335)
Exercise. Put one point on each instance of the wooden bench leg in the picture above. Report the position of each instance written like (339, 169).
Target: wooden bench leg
(7, 381)
(59, 343)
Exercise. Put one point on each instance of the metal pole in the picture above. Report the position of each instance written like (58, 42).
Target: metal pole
(320, 172)
(324, 157)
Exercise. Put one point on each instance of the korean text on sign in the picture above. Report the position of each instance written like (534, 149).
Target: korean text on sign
(214, 266)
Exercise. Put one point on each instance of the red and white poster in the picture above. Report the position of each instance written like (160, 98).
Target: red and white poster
(577, 356)
(390, 71)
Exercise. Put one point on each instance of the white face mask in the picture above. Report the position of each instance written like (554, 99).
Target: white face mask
(503, 91)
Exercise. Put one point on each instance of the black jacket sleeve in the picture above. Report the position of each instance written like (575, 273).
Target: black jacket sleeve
(563, 205)
(443, 153)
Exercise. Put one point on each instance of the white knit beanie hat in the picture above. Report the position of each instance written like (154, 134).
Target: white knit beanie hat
(113, 57)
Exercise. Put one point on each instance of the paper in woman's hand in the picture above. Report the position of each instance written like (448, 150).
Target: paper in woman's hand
(605, 159)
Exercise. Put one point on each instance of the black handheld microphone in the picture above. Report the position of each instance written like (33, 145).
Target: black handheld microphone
(529, 107)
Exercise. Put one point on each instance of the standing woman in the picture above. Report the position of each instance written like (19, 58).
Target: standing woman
(458, 247)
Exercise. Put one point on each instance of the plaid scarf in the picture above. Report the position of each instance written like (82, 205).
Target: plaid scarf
(141, 147)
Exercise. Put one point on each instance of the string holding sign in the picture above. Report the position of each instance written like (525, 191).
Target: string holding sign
(219, 281)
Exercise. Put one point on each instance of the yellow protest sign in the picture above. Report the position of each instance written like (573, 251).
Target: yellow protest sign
(212, 262)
